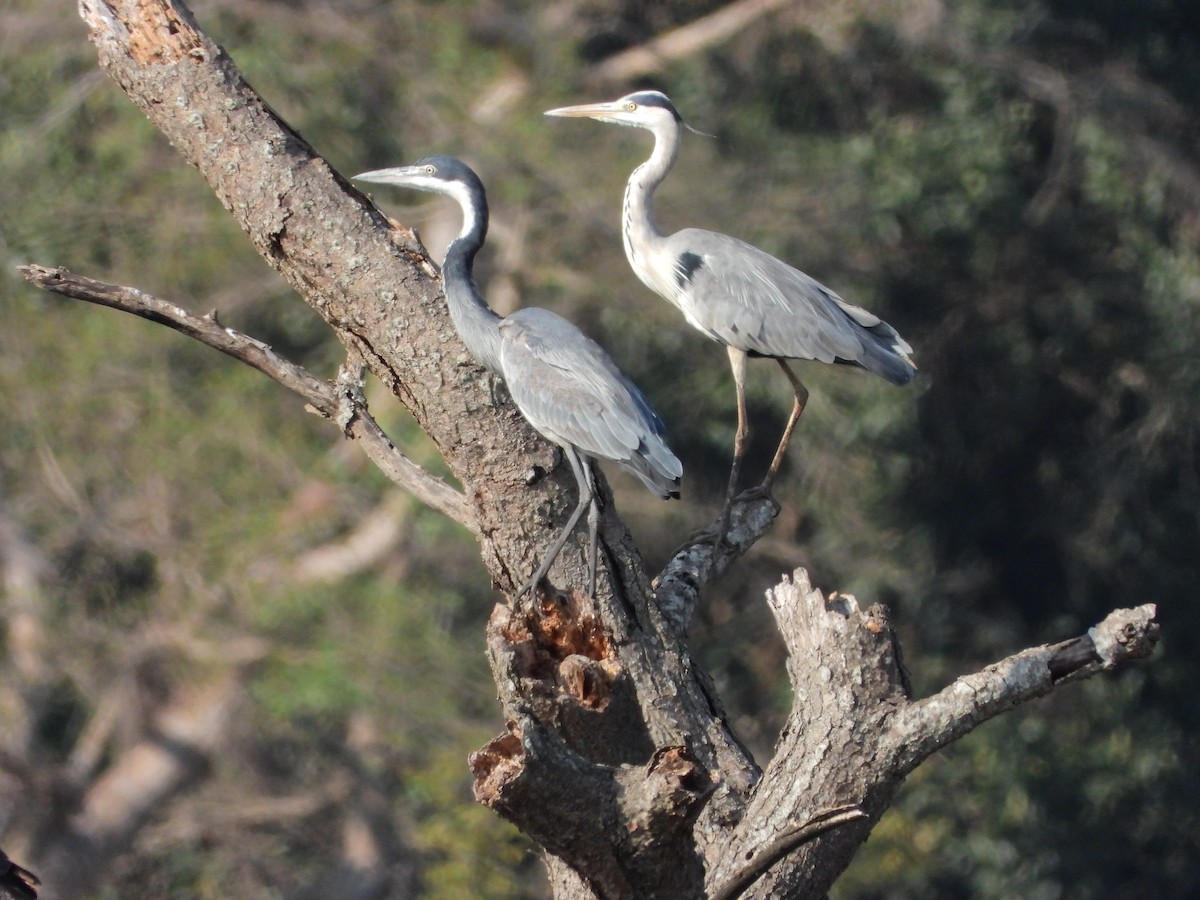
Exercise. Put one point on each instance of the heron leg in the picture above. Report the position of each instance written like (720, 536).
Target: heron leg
(593, 526)
(797, 409)
(586, 499)
(737, 363)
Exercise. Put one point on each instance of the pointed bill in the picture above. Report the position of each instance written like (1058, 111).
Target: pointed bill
(398, 175)
(608, 110)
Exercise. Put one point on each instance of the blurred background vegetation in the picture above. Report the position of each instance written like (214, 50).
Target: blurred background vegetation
(1014, 185)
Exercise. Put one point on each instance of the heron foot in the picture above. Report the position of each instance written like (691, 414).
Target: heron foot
(754, 494)
(722, 528)
(531, 586)
(750, 495)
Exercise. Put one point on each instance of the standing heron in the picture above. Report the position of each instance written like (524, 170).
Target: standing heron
(562, 381)
(735, 293)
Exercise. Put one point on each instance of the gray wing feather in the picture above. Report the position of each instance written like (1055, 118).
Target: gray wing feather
(571, 391)
(746, 298)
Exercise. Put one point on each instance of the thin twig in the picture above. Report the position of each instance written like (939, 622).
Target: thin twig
(787, 842)
(322, 396)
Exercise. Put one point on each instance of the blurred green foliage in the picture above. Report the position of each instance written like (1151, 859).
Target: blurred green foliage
(1042, 258)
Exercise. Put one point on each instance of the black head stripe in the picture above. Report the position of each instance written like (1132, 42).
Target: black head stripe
(655, 98)
(449, 168)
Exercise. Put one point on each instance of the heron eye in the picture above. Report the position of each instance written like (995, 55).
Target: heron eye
(631, 106)
(429, 170)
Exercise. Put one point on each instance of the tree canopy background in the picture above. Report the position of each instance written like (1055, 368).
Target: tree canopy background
(1014, 186)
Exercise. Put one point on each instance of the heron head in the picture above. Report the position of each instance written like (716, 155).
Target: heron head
(642, 109)
(441, 174)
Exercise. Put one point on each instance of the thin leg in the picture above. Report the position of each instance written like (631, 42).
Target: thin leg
(586, 499)
(593, 526)
(737, 362)
(797, 409)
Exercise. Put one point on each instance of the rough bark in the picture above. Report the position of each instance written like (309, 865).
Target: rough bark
(618, 758)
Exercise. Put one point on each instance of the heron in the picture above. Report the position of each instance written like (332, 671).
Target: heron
(563, 382)
(735, 293)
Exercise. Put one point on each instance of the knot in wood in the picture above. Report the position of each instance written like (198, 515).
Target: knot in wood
(1126, 634)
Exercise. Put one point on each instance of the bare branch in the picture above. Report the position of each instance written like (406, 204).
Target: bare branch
(924, 727)
(846, 681)
(698, 563)
(853, 733)
(322, 396)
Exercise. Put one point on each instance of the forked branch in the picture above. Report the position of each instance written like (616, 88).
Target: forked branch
(325, 398)
(854, 733)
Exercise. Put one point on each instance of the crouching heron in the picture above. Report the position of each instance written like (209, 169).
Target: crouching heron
(562, 381)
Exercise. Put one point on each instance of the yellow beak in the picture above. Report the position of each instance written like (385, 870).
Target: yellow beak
(588, 111)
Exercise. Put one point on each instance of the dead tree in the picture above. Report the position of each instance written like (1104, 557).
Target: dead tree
(618, 758)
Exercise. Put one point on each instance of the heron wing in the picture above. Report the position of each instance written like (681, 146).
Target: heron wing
(746, 298)
(571, 391)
